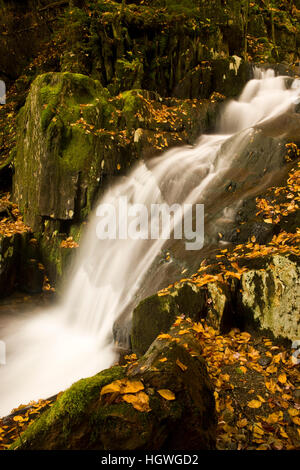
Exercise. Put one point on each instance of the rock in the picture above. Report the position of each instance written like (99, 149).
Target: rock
(31, 272)
(264, 361)
(8, 263)
(74, 137)
(156, 314)
(83, 418)
(151, 317)
(57, 163)
(269, 297)
(220, 311)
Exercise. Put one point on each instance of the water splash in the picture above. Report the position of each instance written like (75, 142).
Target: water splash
(48, 352)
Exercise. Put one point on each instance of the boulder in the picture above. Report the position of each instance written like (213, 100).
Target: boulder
(265, 298)
(74, 138)
(58, 160)
(152, 316)
(269, 297)
(156, 314)
(163, 401)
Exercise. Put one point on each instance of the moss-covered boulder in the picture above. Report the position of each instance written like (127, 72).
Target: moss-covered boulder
(164, 401)
(151, 317)
(74, 137)
(269, 297)
(57, 163)
(156, 314)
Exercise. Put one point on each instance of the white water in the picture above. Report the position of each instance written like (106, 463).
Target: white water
(49, 351)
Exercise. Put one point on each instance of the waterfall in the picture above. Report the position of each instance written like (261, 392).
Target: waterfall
(48, 351)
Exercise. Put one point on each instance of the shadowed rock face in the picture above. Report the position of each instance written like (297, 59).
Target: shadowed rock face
(82, 418)
(156, 314)
(266, 297)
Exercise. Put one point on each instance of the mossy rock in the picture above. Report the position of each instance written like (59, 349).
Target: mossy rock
(151, 317)
(83, 418)
(74, 138)
(156, 314)
(268, 298)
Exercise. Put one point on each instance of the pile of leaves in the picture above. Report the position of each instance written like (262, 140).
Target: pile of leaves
(256, 390)
(282, 201)
(12, 427)
(69, 243)
(11, 221)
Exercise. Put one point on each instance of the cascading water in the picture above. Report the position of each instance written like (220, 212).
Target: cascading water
(49, 351)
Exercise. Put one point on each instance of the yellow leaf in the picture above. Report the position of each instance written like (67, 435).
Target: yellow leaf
(296, 420)
(277, 358)
(164, 336)
(254, 404)
(242, 423)
(18, 419)
(140, 401)
(258, 430)
(271, 369)
(283, 433)
(225, 377)
(182, 366)
(293, 412)
(286, 396)
(183, 332)
(164, 359)
(273, 418)
(198, 327)
(123, 386)
(282, 378)
(166, 394)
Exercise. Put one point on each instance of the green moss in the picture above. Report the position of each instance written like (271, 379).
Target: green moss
(77, 398)
(71, 406)
(78, 150)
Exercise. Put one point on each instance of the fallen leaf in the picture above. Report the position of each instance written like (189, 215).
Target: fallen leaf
(182, 366)
(254, 404)
(140, 401)
(282, 378)
(166, 394)
(123, 386)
